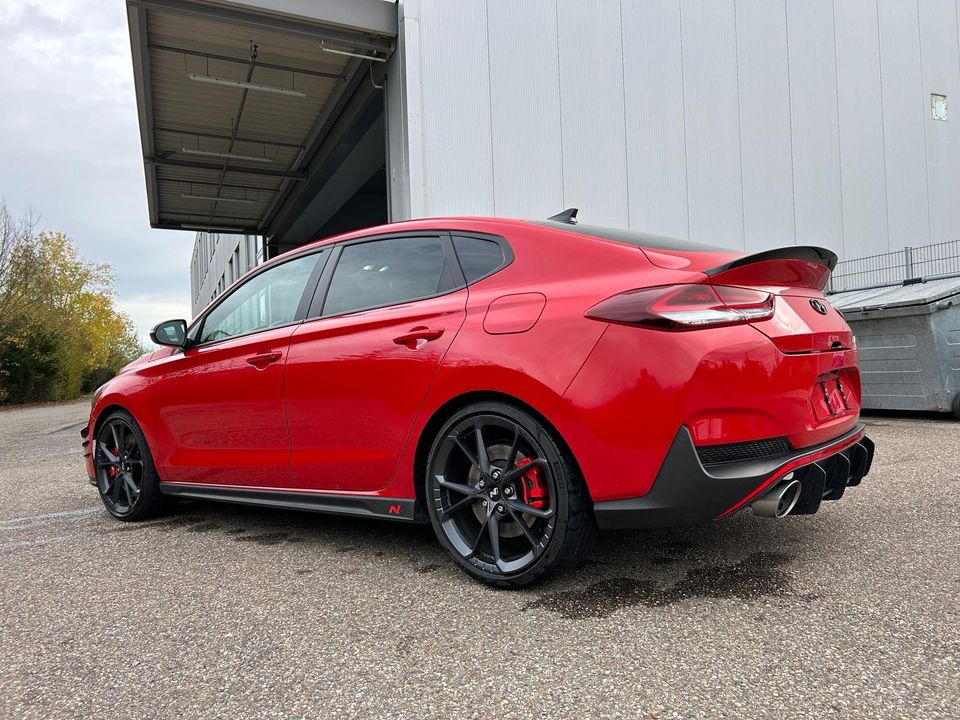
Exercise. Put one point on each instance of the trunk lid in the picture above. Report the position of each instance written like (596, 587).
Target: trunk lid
(803, 320)
(805, 324)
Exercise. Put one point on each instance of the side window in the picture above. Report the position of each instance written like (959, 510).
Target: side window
(386, 272)
(265, 300)
(478, 257)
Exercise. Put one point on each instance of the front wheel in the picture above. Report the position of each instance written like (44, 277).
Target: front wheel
(126, 477)
(505, 498)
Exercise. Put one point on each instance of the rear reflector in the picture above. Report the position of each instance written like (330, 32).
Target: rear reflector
(685, 307)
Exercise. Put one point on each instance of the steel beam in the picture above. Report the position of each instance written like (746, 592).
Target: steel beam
(223, 136)
(207, 183)
(242, 61)
(266, 172)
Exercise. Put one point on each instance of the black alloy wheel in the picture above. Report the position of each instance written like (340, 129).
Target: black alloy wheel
(504, 498)
(125, 474)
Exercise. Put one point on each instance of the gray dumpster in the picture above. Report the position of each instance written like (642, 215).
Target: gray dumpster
(909, 341)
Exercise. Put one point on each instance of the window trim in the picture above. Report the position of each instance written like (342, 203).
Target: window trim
(196, 329)
(451, 265)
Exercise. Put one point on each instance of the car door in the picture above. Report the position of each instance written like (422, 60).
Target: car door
(357, 373)
(220, 402)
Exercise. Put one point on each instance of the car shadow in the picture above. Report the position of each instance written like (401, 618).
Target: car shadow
(742, 557)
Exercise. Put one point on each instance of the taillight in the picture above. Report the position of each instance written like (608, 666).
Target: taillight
(685, 307)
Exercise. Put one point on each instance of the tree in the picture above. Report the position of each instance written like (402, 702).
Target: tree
(60, 332)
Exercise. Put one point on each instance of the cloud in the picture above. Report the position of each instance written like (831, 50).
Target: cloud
(70, 147)
(153, 308)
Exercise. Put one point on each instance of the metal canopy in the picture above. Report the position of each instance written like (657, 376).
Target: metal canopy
(235, 98)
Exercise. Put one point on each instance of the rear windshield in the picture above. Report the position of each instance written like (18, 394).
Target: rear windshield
(630, 237)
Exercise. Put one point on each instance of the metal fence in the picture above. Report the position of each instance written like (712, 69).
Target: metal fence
(926, 262)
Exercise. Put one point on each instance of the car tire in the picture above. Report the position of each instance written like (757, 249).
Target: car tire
(956, 406)
(125, 474)
(468, 494)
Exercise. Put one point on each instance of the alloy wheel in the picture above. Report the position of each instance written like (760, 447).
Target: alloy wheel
(494, 494)
(119, 466)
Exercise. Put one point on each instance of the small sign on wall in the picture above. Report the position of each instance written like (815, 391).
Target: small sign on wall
(938, 107)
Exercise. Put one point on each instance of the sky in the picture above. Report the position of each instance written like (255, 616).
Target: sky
(70, 148)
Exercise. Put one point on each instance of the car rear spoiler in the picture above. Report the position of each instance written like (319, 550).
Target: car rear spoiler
(808, 253)
(802, 266)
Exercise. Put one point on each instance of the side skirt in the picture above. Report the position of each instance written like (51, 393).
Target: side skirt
(401, 509)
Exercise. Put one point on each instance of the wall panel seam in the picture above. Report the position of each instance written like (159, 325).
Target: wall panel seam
(883, 128)
(836, 79)
(923, 117)
(736, 49)
(493, 163)
(623, 99)
(683, 107)
(793, 180)
(563, 187)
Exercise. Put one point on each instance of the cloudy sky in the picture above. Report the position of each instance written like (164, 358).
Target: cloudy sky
(70, 147)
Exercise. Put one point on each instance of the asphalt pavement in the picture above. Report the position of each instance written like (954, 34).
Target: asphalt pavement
(221, 611)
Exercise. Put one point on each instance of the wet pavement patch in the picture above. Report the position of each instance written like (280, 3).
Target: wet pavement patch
(758, 575)
(672, 544)
(265, 538)
(175, 522)
(204, 527)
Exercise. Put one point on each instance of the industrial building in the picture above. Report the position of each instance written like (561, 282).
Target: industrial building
(744, 123)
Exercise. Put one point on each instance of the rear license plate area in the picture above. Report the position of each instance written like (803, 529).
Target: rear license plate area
(830, 397)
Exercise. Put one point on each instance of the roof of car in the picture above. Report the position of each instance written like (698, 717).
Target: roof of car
(630, 237)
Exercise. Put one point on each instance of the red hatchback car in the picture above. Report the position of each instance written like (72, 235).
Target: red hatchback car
(517, 384)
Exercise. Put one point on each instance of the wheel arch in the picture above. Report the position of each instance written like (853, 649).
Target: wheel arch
(104, 412)
(112, 404)
(457, 403)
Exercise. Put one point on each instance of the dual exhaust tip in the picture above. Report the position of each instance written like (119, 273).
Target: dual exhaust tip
(779, 500)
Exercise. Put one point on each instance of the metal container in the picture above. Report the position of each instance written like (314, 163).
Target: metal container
(909, 341)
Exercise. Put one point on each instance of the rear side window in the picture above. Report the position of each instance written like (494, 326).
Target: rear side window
(478, 257)
(387, 272)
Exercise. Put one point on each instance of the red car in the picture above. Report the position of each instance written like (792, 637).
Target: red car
(517, 384)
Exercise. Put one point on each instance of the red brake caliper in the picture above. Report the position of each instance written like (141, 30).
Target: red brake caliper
(532, 486)
(112, 470)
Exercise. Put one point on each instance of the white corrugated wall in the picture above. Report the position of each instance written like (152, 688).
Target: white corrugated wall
(748, 123)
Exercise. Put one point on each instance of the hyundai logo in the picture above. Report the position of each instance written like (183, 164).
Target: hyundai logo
(819, 306)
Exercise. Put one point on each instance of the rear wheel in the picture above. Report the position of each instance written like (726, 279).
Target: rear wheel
(125, 473)
(504, 497)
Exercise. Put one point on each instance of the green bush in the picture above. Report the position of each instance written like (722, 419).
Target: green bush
(30, 365)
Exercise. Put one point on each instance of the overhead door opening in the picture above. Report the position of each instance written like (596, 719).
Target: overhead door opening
(346, 187)
(365, 208)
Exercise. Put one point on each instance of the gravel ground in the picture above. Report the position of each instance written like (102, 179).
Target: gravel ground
(226, 612)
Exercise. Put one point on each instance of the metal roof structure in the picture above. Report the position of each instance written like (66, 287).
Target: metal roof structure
(235, 99)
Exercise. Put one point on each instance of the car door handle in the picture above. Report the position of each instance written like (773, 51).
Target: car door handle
(261, 360)
(417, 336)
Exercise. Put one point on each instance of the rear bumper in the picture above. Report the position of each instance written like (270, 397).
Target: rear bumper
(685, 492)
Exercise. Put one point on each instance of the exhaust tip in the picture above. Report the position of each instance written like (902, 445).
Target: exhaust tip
(779, 500)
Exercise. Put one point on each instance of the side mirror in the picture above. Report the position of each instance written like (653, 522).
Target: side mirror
(170, 332)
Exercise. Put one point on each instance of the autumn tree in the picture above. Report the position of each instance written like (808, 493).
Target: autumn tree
(60, 333)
